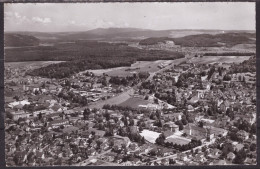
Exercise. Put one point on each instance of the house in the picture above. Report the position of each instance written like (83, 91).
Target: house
(57, 123)
(18, 103)
(230, 156)
(218, 131)
(99, 133)
(39, 155)
(182, 157)
(19, 114)
(215, 153)
(198, 132)
(243, 134)
(238, 147)
(177, 116)
(171, 126)
(54, 116)
(250, 161)
(218, 162)
(194, 99)
(185, 66)
(21, 156)
(190, 108)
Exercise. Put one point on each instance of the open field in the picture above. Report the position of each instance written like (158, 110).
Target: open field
(134, 102)
(114, 100)
(139, 66)
(221, 59)
(177, 140)
(31, 64)
(150, 136)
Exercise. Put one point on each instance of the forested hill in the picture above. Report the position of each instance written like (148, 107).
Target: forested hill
(206, 40)
(83, 55)
(18, 40)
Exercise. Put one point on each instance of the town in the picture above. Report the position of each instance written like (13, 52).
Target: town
(186, 113)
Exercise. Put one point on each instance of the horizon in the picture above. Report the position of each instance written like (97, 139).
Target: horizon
(51, 17)
(140, 29)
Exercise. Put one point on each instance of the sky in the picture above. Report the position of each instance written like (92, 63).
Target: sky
(66, 17)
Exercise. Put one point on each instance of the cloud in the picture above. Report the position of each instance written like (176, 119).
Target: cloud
(72, 22)
(41, 20)
(15, 18)
(101, 23)
(17, 15)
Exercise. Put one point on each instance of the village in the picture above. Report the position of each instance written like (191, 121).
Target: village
(187, 114)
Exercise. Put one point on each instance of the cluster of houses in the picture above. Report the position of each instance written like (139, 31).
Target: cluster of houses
(44, 127)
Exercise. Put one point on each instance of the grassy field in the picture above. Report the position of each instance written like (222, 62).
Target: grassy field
(139, 66)
(221, 59)
(150, 136)
(177, 140)
(31, 64)
(134, 102)
(114, 100)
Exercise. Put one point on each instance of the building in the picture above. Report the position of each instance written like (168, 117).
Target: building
(19, 114)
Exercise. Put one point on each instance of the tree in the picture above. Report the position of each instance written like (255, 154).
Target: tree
(220, 71)
(184, 120)
(16, 98)
(171, 161)
(253, 147)
(146, 97)
(9, 115)
(227, 77)
(253, 128)
(40, 116)
(244, 79)
(240, 78)
(179, 82)
(181, 127)
(240, 157)
(156, 101)
(142, 140)
(201, 124)
(86, 113)
(160, 140)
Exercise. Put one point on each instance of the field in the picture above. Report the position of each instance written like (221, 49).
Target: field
(221, 59)
(177, 140)
(31, 64)
(139, 66)
(150, 136)
(134, 102)
(114, 100)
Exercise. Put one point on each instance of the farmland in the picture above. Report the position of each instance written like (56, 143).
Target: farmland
(31, 64)
(221, 59)
(139, 66)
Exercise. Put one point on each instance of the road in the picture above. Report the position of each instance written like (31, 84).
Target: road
(176, 62)
(85, 162)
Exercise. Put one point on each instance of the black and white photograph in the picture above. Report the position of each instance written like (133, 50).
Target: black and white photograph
(130, 84)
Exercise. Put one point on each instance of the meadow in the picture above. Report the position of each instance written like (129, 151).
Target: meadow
(139, 66)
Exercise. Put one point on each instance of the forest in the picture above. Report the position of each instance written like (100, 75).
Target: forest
(84, 55)
(205, 40)
(15, 40)
(244, 67)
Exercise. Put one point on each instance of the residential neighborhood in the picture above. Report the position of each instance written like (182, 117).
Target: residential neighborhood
(194, 114)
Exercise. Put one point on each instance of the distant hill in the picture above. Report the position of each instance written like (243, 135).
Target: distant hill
(205, 40)
(18, 40)
(118, 34)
